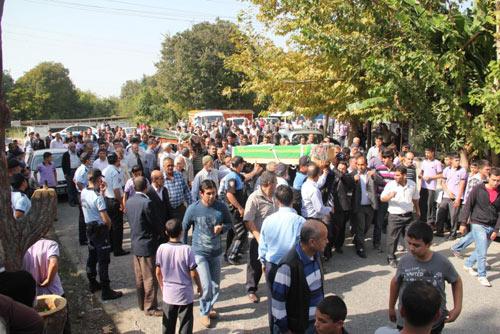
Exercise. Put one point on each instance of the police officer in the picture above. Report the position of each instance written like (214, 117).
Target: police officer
(80, 178)
(114, 203)
(98, 224)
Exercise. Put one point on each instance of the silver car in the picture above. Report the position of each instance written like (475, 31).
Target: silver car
(36, 157)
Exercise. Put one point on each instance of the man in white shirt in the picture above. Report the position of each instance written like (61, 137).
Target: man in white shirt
(402, 196)
(102, 162)
(57, 142)
(207, 172)
(135, 157)
(312, 202)
(375, 150)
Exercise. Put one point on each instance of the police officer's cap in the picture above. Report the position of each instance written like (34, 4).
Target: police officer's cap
(236, 161)
(112, 158)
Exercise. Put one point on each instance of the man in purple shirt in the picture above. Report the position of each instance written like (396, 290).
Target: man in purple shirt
(431, 171)
(47, 171)
(454, 179)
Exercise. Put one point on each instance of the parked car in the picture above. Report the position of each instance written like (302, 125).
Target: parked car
(295, 135)
(238, 121)
(36, 157)
(76, 129)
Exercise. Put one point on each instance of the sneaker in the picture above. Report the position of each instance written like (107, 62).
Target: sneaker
(470, 270)
(484, 281)
(205, 321)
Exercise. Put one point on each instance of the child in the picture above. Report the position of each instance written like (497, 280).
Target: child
(175, 271)
(47, 171)
(330, 316)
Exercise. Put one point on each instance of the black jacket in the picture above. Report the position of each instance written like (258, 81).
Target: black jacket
(144, 227)
(371, 188)
(161, 208)
(66, 163)
(479, 208)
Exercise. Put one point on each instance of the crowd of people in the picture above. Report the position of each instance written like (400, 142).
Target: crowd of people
(285, 221)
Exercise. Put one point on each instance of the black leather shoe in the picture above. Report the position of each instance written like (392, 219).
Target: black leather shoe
(361, 253)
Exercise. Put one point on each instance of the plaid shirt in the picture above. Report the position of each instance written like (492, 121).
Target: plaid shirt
(178, 190)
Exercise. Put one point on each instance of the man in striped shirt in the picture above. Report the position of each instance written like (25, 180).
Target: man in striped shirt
(298, 284)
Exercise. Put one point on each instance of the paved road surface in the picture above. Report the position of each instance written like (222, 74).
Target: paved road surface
(362, 283)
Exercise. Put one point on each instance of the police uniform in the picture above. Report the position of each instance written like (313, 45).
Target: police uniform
(97, 233)
(234, 183)
(20, 202)
(80, 176)
(114, 181)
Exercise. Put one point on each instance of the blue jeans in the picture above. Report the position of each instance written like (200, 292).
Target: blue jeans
(463, 243)
(481, 235)
(209, 269)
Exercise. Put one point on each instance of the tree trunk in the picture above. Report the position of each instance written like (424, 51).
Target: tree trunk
(16, 236)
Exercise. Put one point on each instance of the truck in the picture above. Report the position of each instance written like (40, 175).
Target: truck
(201, 117)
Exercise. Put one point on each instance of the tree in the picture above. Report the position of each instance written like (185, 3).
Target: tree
(191, 72)
(90, 105)
(399, 60)
(7, 83)
(44, 92)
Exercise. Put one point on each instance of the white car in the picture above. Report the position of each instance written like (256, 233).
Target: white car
(76, 129)
(36, 157)
(238, 121)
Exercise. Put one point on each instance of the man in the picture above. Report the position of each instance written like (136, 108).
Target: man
(364, 204)
(20, 203)
(57, 142)
(219, 161)
(280, 231)
(259, 206)
(102, 160)
(483, 210)
(454, 179)
(160, 202)
(98, 225)
(431, 171)
(330, 316)
(209, 218)
(420, 304)
(70, 162)
(167, 153)
(298, 284)
(178, 191)
(206, 173)
(411, 169)
(384, 174)
(150, 158)
(37, 143)
(312, 202)
(145, 230)
(402, 196)
(80, 179)
(114, 203)
(135, 157)
(16, 317)
(375, 150)
(422, 264)
(482, 175)
(301, 175)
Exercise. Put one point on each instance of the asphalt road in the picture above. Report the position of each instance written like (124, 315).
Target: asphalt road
(362, 283)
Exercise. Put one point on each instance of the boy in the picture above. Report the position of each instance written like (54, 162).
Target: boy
(330, 316)
(47, 171)
(175, 270)
(422, 264)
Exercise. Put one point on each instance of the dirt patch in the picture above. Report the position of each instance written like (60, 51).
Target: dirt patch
(85, 309)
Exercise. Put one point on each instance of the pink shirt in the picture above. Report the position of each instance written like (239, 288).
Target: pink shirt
(36, 262)
(176, 260)
(431, 168)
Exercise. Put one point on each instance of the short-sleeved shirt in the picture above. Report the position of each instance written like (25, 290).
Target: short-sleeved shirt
(176, 260)
(20, 202)
(452, 178)
(431, 168)
(81, 176)
(36, 262)
(405, 195)
(258, 207)
(47, 174)
(436, 271)
(92, 204)
(114, 180)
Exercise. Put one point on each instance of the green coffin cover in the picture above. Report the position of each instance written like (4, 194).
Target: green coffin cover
(288, 154)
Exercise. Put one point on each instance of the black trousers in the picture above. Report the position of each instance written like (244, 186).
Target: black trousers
(71, 190)
(116, 232)
(270, 273)
(254, 267)
(380, 222)
(395, 229)
(427, 204)
(445, 207)
(99, 250)
(82, 227)
(170, 314)
(235, 239)
(361, 219)
(340, 218)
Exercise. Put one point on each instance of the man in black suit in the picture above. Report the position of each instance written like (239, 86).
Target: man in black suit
(160, 202)
(144, 233)
(70, 162)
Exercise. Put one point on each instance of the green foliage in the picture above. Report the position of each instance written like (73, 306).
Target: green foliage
(47, 92)
(7, 82)
(191, 72)
(402, 60)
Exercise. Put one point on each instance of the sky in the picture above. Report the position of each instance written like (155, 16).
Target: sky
(103, 43)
